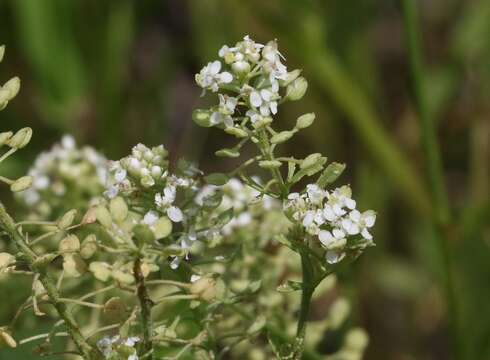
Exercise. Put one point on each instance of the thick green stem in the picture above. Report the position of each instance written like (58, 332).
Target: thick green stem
(146, 304)
(428, 134)
(87, 351)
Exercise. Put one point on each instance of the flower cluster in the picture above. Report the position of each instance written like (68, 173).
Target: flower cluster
(332, 217)
(250, 86)
(65, 176)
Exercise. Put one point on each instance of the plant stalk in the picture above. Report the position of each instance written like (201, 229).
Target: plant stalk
(146, 304)
(86, 350)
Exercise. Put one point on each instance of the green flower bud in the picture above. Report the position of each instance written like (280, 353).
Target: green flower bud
(21, 184)
(204, 288)
(6, 339)
(5, 136)
(239, 133)
(282, 137)
(101, 270)
(305, 121)
(202, 117)
(119, 209)
(217, 179)
(264, 121)
(67, 219)
(114, 310)
(290, 77)
(6, 260)
(231, 153)
(88, 247)
(241, 67)
(163, 228)
(103, 216)
(297, 89)
(69, 244)
(73, 265)
(270, 164)
(330, 174)
(21, 138)
(310, 160)
(147, 181)
(12, 86)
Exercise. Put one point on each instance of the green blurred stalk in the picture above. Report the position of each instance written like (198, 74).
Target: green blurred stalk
(435, 176)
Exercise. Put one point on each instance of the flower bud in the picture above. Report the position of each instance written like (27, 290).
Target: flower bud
(90, 216)
(297, 89)
(202, 117)
(263, 121)
(119, 209)
(147, 181)
(69, 244)
(239, 133)
(103, 216)
(204, 288)
(270, 164)
(281, 137)
(21, 138)
(290, 77)
(2, 52)
(310, 160)
(231, 153)
(88, 247)
(305, 121)
(5, 136)
(67, 219)
(12, 86)
(241, 67)
(114, 310)
(6, 339)
(21, 184)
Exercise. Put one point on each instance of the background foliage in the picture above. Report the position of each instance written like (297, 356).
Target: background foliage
(116, 73)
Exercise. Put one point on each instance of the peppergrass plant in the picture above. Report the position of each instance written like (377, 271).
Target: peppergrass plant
(141, 258)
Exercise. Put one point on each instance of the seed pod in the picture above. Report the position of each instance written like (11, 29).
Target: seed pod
(123, 277)
(103, 216)
(73, 265)
(69, 244)
(204, 288)
(239, 133)
(67, 219)
(119, 209)
(114, 310)
(88, 247)
(21, 138)
(162, 228)
(21, 184)
(101, 270)
(310, 160)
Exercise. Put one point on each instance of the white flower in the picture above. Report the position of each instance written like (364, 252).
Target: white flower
(210, 76)
(167, 198)
(150, 218)
(265, 101)
(175, 214)
(334, 256)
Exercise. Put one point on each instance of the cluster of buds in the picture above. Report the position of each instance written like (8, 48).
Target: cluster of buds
(66, 175)
(332, 217)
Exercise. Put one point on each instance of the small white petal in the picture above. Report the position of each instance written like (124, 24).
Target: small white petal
(226, 77)
(255, 99)
(350, 203)
(175, 214)
(308, 219)
(333, 256)
(338, 234)
(214, 67)
(366, 235)
(325, 237)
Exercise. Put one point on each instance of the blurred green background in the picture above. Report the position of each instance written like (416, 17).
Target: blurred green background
(401, 93)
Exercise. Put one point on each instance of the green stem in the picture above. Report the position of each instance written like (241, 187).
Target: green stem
(146, 304)
(87, 351)
(428, 134)
(308, 287)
